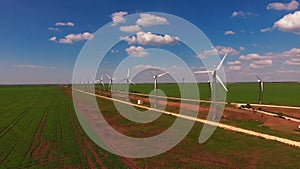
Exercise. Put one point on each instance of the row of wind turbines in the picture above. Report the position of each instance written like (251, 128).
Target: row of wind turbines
(212, 85)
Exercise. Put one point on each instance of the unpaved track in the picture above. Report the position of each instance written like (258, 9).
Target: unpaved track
(207, 101)
(220, 125)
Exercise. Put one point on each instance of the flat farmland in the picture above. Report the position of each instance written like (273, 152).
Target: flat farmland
(274, 93)
(39, 129)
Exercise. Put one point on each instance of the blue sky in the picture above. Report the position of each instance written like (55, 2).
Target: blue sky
(264, 35)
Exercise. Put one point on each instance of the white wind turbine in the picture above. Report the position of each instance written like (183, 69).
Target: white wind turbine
(261, 88)
(110, 79)
(100, 83)
(128, 82)
(127, 79)
(215, 78)
(110, 84)
(155, 76)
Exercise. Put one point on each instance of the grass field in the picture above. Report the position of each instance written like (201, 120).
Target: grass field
(274, 93)
(39, 129)
(225, 149)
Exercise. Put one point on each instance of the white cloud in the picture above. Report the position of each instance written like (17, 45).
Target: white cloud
(53, 39)
(293, 5)
(114, 51)
(229, 33)
(289, 23)
(117, 18)
(261, 64)
(53, 29)
(220, 50)
(130, 28)
(235, 65)
(252, 56)
(235, 68)
(137, 51)
(242, 14)
(257, 61)
(266, 29)
(149, 38)
(70, 38)
(147, 20)
(64, 24)
(293, 62)
(242, 48)
(237, 62)
(30, 66)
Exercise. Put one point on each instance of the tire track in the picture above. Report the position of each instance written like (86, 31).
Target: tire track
(38, 135)
(5, 130)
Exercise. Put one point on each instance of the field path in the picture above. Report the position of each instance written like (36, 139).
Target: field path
(207, 101)
(220, 125)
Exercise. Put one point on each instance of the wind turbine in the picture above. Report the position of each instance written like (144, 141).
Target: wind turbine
(100, 81)
(128, 81)
(155, 76)
(215, 78)
(110, 82)
(261, 88)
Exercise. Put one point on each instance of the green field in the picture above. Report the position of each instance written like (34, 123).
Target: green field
(274, 93)
(225, 149)
(39, 129)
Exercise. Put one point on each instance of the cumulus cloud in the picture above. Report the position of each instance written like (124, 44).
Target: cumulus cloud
(235, 68)
(293, 5)
(257, 61)
(229, 33)
(130, 28)
(53, 39)
(64, 24)
(118, 17)
(70, 38)
(147, 20)
(137, 51)
(237, 62)
(261, 64)
(149, 38)
(289, 23)
(252, 56)
(220, 50)
(293, 62)
(242, 14)
(235, 65)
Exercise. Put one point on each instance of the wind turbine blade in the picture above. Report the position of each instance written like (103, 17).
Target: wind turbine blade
(262, 86)
(220, 64)
(123, 80)
(101, 78)
(160, 75)
(266, 78)
(223, 85)
(127, 74)
(204, 71)
(258, 77)
(153, 73)
(102, 83)
(108, 76)
(131, 82)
